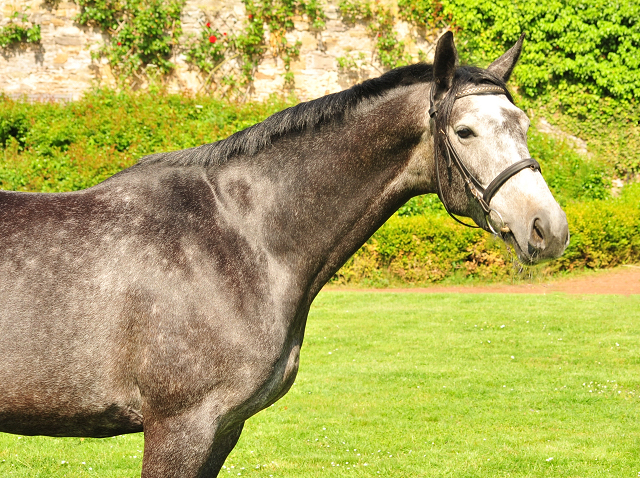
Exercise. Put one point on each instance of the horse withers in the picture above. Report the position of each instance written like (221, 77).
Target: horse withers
(172, 298)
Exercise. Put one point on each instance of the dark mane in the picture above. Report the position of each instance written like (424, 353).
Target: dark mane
(330, 108)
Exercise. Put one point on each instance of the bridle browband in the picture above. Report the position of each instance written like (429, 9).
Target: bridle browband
(481, 194)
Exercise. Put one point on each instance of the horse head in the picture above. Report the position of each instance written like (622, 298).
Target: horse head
(483, 169)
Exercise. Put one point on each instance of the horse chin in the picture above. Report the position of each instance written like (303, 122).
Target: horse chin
(527, 258)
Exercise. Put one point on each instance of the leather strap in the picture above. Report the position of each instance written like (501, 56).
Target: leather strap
(504, 176)
(482, 90)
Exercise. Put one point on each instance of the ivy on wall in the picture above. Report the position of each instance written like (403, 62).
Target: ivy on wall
(19, 31)
(380, 18)
(142, 33)
(266, 25)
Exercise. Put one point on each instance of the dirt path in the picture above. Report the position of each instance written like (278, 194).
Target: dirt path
(621, 281)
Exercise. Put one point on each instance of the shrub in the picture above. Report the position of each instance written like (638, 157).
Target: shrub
(429, 248)
(54, 147)
(19, 31)
(61, 147)
(141, 32)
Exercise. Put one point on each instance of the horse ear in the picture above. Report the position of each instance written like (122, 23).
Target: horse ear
(504, 65)
(444, 64)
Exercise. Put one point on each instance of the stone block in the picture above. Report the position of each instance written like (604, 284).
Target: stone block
(308, 41)
(71, 40)
(60, 59)
(261, 76)
(320, 61)
(299, 65)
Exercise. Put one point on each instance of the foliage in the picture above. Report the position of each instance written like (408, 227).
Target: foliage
(211, 49)
(142, 33)
(55, 147)
(208, 51)
(415, 385)
(419, 205)
(613, 138)
(351, 61)
(570, 176)
(580, 58)
(591, 45)
(603, 233)
(423, 13)
(418, 250)
(18, 31)
(277, 16)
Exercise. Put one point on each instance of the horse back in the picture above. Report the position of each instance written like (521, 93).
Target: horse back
(115, 296)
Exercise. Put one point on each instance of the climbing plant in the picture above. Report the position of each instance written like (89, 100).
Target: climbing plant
(142, 33)
(266, 25)
(424, 13)
(18, 31)
(391, 51)
(209, 49)
(381, 18)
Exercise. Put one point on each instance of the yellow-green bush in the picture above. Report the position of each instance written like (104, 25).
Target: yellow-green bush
(64, 147)
(431, 248)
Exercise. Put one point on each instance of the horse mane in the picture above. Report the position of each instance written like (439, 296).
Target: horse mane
(310, 114)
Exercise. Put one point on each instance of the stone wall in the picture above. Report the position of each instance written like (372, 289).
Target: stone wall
(61, 67)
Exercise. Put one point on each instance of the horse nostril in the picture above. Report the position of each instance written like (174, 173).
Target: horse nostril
(537, 232)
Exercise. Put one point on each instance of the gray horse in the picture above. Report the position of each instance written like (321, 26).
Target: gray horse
(172, 298)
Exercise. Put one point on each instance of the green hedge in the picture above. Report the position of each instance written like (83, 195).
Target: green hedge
(429, 248)
(54, 147)
(603, 233)
(62, 147)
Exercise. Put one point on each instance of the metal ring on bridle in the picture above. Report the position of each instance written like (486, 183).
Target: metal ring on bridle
(504, 228)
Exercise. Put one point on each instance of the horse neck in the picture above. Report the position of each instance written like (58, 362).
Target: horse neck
(323, 193)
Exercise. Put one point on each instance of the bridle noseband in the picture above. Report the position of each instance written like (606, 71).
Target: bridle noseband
(483, 195)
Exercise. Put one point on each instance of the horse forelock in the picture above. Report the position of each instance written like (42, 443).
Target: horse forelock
(327, 109)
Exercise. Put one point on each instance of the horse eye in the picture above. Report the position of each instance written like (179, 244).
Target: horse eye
(464, 133)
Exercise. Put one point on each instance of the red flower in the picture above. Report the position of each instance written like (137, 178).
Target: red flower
(119, 44)
(225, 33)
(213, 39)
(208, 25)
(250, 16)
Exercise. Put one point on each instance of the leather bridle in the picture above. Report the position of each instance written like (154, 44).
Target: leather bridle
(480, 193)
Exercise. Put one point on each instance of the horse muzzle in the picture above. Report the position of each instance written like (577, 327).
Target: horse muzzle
(544, 237)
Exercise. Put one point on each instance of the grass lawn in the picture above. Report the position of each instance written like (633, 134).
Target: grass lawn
(442, 385)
